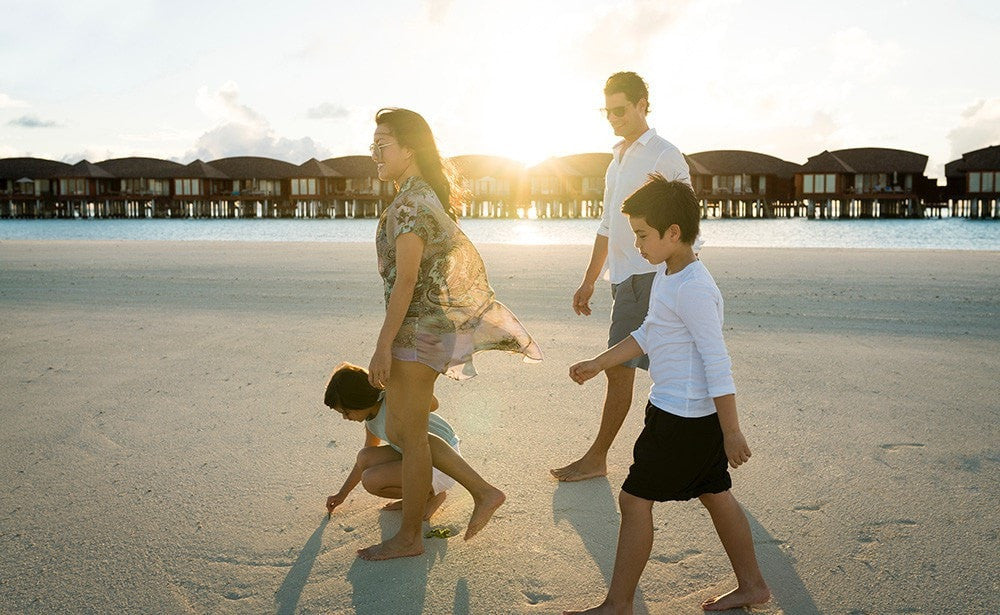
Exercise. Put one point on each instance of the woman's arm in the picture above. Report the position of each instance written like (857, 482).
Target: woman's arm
(409, 250)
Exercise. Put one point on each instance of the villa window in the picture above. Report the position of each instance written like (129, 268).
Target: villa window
(807, 184)
(987, 182)
(974, 182)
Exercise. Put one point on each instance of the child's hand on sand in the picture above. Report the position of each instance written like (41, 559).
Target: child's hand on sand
(737, 449)
(584, 371)
(334, 501)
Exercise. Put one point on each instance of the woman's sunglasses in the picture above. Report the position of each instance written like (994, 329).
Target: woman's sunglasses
(376, 150)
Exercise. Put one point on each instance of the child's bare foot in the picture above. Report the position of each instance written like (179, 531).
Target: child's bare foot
(486, 504)
(738, 598)
(433, 504)
(397, 505)
(602, 609)
(582, 469)
(391, 549)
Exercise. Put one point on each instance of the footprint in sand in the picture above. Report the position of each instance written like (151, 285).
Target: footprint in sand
(808, 508)
(673, 558)
(896, 446)
(534, 597)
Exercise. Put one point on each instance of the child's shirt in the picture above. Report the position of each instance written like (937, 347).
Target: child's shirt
(435, 425)
(682, 335)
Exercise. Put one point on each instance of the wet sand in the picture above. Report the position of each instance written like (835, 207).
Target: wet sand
(165, 447)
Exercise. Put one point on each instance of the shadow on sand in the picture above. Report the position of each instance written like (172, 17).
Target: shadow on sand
(398, 585)
(590, 508)
(778, 568)
(287, 596)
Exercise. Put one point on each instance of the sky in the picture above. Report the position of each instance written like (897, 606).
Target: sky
(521, 78)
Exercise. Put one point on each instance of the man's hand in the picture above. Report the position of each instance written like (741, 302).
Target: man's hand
(581, 299)
(584, 371)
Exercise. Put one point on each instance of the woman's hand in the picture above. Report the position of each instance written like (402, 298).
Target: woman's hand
(378, 368)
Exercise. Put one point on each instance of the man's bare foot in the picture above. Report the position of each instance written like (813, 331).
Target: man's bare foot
(391, 549)
(738, 598)
(486, 504)
(433, 504)
(602, 609)
(581, 469)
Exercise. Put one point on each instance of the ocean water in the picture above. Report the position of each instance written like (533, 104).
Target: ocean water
(934, 234)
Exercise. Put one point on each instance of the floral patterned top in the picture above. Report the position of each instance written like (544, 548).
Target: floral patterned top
(453, 313)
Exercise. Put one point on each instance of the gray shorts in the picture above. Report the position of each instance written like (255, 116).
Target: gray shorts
(629, 304)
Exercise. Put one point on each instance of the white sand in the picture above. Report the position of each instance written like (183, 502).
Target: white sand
(165, 447)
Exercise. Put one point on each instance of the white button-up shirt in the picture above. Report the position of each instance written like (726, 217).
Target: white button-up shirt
(629, 169)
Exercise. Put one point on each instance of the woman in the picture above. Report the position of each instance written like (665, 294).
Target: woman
(440, 309)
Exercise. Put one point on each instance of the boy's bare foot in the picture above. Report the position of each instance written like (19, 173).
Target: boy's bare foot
(486, 504)
(738, 598)
(582, 469)
(433, 504)
(391, 549)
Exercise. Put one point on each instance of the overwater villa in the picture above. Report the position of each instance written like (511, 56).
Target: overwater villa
(741, 184)
(974, 183)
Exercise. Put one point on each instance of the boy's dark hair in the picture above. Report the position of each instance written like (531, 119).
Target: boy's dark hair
(630, 84)
(349, 389)
(663, 203)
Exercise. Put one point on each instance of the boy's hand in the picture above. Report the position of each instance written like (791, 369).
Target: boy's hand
(584, 371)
(737, 449)
(334, 501)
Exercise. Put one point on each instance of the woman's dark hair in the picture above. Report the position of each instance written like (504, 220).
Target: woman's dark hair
(412, 131)
(663, 203)
(630, 84)
(349, 389)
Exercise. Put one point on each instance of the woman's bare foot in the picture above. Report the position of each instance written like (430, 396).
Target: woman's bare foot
(738, 598)
(391, 549)
(433, 503)
(486, 504)
(581, 469)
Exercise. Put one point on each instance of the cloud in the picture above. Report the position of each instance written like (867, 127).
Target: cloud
(244, 132)
(89, 154)
(327, 111)
(6, 102)
(857, 54)
(437, 10)
(621, 36)
(979, 127)
(30, 121)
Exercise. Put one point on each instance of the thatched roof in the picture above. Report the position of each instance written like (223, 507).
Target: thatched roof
(986, 159)
(866, 160)
(200, 169)
(255, 167)
(475, 166)
(736, 162)
(142, 168)
(315, 168)
(85, 168)
(353, 166)
(32, 168)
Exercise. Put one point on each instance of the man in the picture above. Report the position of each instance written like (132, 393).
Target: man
(640, 152)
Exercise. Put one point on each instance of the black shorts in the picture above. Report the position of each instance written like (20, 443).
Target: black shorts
(677, 458)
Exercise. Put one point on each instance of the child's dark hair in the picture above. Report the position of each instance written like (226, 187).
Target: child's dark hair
(663, 203)
(630, 84)
(349, 389)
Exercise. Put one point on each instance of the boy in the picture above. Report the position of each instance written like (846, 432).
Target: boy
(691, 427)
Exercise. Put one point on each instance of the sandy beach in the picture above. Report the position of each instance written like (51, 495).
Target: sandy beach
(165, 447)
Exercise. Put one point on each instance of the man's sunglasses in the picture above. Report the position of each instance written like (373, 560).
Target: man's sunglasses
(616, 111)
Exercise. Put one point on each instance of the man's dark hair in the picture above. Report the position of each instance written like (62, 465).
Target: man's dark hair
(629, 84)
(663, 203)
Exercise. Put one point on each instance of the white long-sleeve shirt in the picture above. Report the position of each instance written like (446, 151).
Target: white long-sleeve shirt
(628, 171)
(682, 335)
